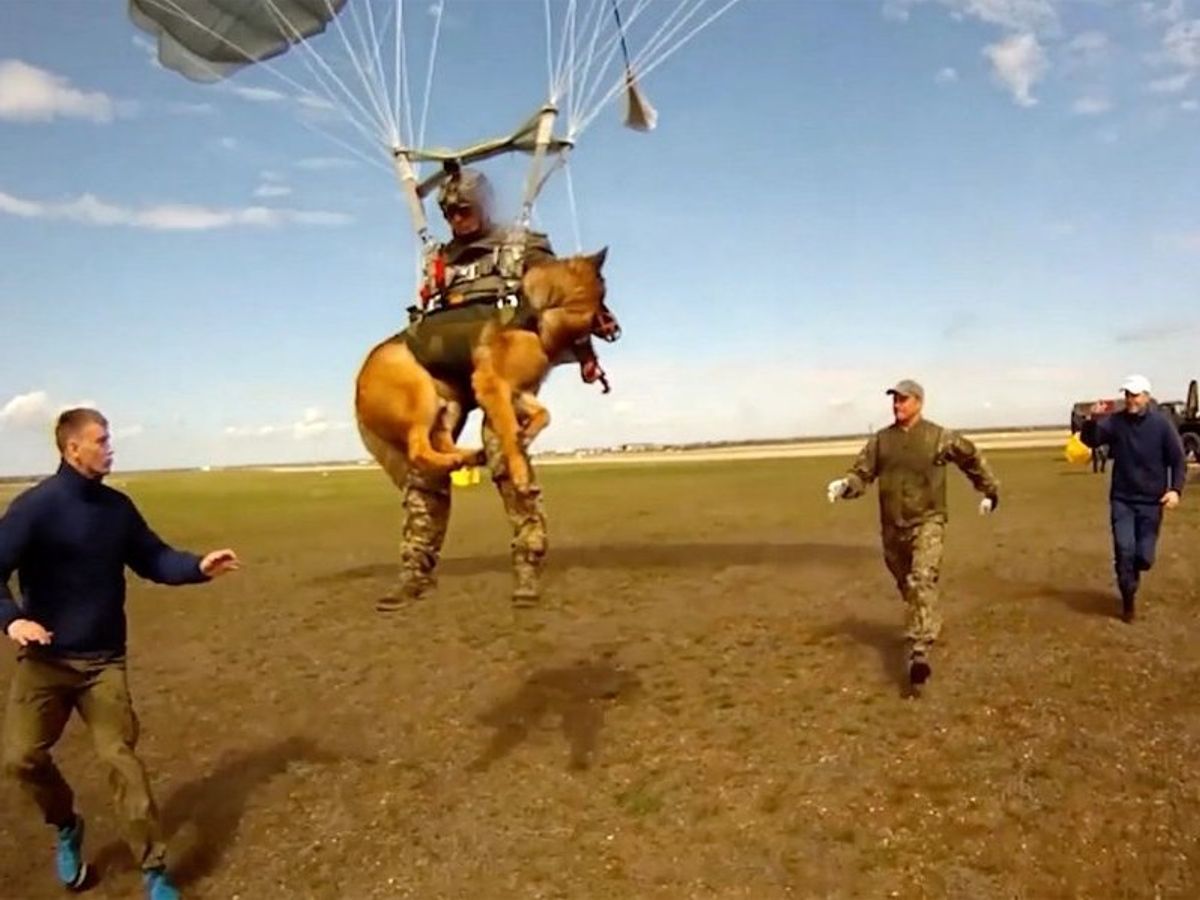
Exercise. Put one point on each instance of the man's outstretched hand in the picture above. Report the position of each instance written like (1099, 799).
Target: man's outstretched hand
(219, 562)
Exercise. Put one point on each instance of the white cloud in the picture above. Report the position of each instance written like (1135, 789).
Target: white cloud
(1181, 44)
(257, 95)
(1170, 11)
(147, 46)
(35, 410)
(191, 109)
(1189, 105)
(1189, 241)
(1088, 42)
(1018, 62)
(1172, 85)
(1091, 106)
(30, 94)
(227, 143)
(272, 189)
(1015, 15)
(128, 431)
(1090, 48)
(90, 210)
(312, 101)
(1059, 230)
(313, 423)
(947, 75)
(27, 410)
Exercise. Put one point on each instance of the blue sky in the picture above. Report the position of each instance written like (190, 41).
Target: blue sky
(997, 197)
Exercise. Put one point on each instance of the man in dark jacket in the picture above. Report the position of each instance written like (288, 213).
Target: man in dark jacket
(1149, 472)
(69, 539)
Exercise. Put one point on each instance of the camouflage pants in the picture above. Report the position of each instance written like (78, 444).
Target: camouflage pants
(45, 691)
(914, 557)
(427, 517)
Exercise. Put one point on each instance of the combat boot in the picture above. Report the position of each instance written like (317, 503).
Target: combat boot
(526, 584)
(919, 669)
(411, 590)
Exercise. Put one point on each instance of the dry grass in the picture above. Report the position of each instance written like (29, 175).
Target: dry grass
(711, 708)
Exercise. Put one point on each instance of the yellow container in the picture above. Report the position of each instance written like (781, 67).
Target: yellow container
(465, 477)
(1076, 451)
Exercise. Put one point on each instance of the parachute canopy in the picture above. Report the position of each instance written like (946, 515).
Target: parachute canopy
(595, 51)
(207, 40)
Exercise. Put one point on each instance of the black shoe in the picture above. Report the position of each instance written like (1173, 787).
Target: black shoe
(919, 669)
(1127, 609)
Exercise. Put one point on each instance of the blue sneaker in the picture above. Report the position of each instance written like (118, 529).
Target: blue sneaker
(159, 885)
(68, 856)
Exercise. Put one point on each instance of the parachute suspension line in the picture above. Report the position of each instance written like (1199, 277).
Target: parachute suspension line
(307, 57)
(553, 59)
(662, 57)
(571, 203)
(360, 68)
(591, 106)
(433, 51)
(639, 114)
(666, 32)
(381, 79)
(407, 90)
(595, 75)
(569, 60)
(580, 69)
(173, 9)
(550, 52)
(396, 57)
(621, 33)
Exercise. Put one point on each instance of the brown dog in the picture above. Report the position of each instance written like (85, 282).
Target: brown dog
(398, 403)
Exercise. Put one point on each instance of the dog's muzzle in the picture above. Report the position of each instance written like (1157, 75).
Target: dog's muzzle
(605, 326)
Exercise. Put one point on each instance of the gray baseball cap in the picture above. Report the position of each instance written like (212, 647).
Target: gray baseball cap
(907, 388)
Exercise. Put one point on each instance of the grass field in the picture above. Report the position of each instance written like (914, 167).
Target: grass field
(710, 707)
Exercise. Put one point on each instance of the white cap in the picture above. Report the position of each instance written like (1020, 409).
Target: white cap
(1136, 384)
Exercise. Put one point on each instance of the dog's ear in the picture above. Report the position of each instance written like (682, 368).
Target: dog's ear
(597, 259)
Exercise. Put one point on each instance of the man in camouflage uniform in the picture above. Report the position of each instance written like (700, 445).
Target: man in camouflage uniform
(909, 458)
(479, 265)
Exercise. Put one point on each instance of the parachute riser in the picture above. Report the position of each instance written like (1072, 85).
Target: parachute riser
(408, 184)
(534, 183)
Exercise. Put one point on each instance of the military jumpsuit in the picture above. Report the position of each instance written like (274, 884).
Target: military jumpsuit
(472, 275)
(911, 468)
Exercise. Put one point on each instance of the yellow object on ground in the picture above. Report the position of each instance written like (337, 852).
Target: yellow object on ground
(465, 477)
(1076, 451)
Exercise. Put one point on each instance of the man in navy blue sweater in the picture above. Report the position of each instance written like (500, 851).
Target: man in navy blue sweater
(1149, 472)
(69, 538)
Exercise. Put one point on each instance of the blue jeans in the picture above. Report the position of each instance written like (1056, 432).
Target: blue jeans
(1135, 535)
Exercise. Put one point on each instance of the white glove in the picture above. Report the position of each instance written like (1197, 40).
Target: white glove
(837, 488)
(986, 505)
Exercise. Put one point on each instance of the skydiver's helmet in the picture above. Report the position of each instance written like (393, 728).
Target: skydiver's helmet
(466, 187)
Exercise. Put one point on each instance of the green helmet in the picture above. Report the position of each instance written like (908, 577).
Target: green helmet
(466, 187)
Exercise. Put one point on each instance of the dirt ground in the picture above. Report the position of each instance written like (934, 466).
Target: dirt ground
(711, 706)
